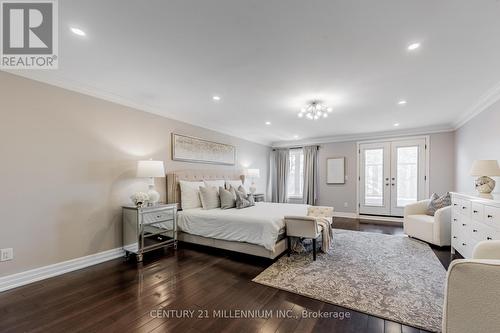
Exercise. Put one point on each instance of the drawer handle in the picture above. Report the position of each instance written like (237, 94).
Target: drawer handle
(463, 224)
(454, 237)
(490, 216)
(489, 238)
(455, 220)
(463, 207)
(474, 230)
(455, 204)
(158, 216)
(475, 211)
(464, 244)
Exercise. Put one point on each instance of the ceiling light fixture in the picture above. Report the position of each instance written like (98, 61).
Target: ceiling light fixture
(268, 123)
(396, 124)
(315, 110)
(216, 98)
(77, 31)
(402, 102)
(295, 136)
(413, 46)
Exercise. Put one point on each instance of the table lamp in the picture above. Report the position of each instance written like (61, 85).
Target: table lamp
(482, 169)
(252, 173)
(151, 169)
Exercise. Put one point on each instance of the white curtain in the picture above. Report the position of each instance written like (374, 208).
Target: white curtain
(280, 164)
(311, 183)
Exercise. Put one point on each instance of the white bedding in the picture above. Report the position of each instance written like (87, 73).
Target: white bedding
(259, 224)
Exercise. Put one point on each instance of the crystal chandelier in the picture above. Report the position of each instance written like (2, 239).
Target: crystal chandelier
(314, 111)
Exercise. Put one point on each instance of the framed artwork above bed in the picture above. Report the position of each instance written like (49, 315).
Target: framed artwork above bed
(196, 150)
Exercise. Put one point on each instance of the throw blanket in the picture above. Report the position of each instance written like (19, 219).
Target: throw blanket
(326, 234)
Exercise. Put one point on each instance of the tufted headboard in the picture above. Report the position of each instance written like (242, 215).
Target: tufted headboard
(174, 191)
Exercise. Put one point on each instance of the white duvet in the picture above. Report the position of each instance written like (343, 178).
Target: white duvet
(259, 224)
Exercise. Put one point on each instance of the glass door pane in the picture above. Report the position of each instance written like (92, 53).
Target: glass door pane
(407, 175)
(374, 177)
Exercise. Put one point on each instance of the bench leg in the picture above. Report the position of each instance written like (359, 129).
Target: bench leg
(314, 249)
(289, 241)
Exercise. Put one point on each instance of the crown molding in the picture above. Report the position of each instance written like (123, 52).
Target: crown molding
(485, 101)
(81, 88)
(364, 136)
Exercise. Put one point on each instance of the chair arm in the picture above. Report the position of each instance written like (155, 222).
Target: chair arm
(471, 296)
(442, 226)
(417, 208)
(489, 249)
(301, 226)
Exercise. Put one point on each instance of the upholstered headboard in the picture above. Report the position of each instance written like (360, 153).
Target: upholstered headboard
(174, 191)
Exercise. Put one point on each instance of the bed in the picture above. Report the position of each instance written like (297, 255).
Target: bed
(257, 230)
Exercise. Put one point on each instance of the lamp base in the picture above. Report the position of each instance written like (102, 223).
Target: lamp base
(154, 196)
(485, 184)
(253, 188)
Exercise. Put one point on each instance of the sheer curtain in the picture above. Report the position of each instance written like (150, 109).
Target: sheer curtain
(311, 184)
(280, 163)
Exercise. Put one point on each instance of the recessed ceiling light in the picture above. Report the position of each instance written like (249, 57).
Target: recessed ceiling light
(413, 46)
(402, 102)
(216, 98)
(295, 136)
(77, 31)
(268, 123)
(396, 124)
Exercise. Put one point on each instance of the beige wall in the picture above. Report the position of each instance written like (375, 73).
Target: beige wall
(441, 171)
(68, 164)
(478, 139)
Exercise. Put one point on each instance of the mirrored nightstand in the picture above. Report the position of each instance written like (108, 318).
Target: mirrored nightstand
(149, 228)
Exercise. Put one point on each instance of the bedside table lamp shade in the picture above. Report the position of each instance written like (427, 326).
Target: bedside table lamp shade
(151, 169)
(483, 169)
(252, 173)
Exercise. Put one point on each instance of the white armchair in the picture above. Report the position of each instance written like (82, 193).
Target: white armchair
(472, 292)
(432, 229)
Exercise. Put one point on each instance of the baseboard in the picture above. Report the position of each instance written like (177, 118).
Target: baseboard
(45, 272)
(345, 214)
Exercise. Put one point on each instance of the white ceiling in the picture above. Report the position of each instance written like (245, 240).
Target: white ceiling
(266, 59)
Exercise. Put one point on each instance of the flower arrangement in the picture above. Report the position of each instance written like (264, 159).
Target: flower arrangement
(140, 198)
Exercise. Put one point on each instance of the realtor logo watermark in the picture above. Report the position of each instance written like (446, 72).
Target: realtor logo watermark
(28, 34)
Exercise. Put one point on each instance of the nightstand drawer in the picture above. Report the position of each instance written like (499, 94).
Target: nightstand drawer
(158, 216)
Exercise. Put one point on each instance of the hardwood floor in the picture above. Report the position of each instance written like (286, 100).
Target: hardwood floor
(120, 296)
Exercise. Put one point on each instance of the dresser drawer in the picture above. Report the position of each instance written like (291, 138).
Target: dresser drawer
(460, 224)
(157, 216)
(492, 216)
(477, 211)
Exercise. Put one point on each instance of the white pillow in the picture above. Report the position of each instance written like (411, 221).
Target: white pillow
(209, 197)
(190, 194)
(215, 183)
(233, 183)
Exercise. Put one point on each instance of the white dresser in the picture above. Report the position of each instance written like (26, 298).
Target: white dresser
(473, 219)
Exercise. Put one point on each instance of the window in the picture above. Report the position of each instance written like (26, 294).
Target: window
(296, 174)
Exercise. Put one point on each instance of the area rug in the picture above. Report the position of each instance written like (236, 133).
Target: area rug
(392, 277)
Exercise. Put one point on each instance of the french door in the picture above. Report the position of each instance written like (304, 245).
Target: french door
(392, 174)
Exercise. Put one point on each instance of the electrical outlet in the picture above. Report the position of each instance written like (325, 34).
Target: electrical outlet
(6, 254)
(346, 204)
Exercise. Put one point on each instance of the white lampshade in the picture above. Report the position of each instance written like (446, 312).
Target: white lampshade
(252, 173)
(146, 169)
(485, 168)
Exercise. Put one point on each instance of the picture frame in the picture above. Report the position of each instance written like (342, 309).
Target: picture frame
(335, 170)
(196, 150)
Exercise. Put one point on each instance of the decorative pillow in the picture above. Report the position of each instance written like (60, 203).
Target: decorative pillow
(438, 202)
(227, 198)
(215, 183)
(233, 183)
(190, 194)
(243, 201)
(209, 197)
(242, 190)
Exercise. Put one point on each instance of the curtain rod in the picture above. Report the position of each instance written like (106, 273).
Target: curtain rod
(297, 147)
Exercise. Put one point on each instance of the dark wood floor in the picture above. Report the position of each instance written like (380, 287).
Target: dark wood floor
(120, 296)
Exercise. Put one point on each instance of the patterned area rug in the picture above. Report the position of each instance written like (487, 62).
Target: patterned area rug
(392, 277)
